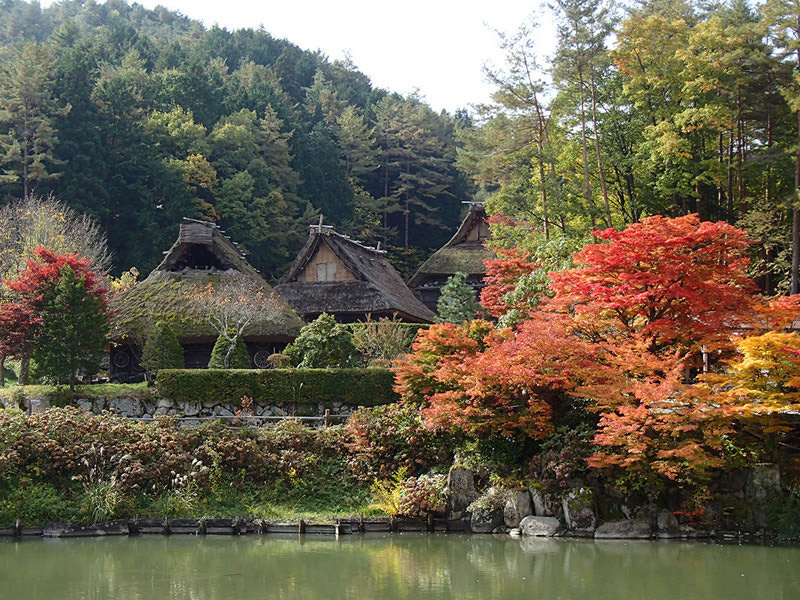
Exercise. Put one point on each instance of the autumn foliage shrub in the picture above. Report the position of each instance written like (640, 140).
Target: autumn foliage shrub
(384, 439)
(616, 334)
(66, 445)
(562, 458)
(423, 495)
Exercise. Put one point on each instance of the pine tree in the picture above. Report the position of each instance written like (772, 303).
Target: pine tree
(27, 110)
(74, 328)
(223, 356)
(162, 350)
(457, 302)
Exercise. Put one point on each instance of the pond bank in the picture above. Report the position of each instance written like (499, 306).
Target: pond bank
(621, 530)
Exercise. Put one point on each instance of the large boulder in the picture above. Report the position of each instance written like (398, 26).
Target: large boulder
(190, 409)
(517, 508)
(625, 529)
(460, 492)
(540, 526)
(543, 504)
(486, 520)
(579, 515)
(668, 526)
(763, 482)
(126, 407)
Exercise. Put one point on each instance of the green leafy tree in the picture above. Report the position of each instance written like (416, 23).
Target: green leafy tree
(783, 19)
(225, 355)
(323, 344)
(162, 350)
(458, 302)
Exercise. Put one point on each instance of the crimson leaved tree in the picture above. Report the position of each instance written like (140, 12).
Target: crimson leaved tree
(57, 314)
(676, 283)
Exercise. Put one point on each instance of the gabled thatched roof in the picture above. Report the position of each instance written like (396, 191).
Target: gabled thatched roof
(366, 283)
(201, 255)
(464, 253)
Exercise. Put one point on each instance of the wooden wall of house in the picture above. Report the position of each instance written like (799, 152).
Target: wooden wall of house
(478, 232)
(325, 266)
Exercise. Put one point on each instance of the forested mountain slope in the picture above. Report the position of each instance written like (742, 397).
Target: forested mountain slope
(140, 117)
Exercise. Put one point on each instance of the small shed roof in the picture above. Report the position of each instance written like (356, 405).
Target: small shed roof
(372, 287)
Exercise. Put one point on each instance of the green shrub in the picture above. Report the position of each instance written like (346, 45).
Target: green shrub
(162, 350)
(33, 504)
(239, 358)
(458, 300)
(322, 344)
(358, 387)
(783, 514)
(384, 340)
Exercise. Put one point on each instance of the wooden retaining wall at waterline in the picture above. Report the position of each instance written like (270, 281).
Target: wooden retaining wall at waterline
(230, 527)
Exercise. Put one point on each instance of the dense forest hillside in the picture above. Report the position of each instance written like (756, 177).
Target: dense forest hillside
(140, 117)
(665, 107)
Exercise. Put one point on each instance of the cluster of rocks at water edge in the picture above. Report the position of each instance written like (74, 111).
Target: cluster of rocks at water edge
(576, 511)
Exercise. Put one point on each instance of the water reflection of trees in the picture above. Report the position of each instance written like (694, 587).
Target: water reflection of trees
(391, 567)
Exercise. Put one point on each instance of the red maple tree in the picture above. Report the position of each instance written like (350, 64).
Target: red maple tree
(673, 282)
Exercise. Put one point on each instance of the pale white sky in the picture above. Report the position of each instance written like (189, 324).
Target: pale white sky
(438, 46)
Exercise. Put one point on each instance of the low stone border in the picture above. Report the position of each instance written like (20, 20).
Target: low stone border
(236, 526)
(531, 527)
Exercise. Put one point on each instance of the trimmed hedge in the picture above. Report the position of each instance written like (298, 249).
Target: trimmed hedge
(357, 387)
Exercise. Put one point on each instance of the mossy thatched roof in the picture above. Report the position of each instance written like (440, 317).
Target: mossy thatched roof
(201, 256)
(464, 253)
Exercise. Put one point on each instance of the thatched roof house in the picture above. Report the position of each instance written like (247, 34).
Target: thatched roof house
(339, 276)
(203, 258)
(464, 253)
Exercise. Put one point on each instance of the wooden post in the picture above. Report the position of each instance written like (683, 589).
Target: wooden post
(327, 416)
(361, 524)
(301, 529)
(202, 529)
(393, 524)
(431, 525)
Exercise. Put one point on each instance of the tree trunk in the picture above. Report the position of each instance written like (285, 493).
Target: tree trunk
(386, 199)
(587, 180)
(603, 187)
(25, 173)
(407, 212)
(796, 215)
(229, 352)
(740, 156)
(729, 208)
(545, 220)
(795, 212)
(2, 371)
(25, 370)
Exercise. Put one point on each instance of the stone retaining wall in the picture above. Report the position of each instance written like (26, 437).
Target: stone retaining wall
(146, 408)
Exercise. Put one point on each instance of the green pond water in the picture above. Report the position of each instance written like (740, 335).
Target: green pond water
(392, 567)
